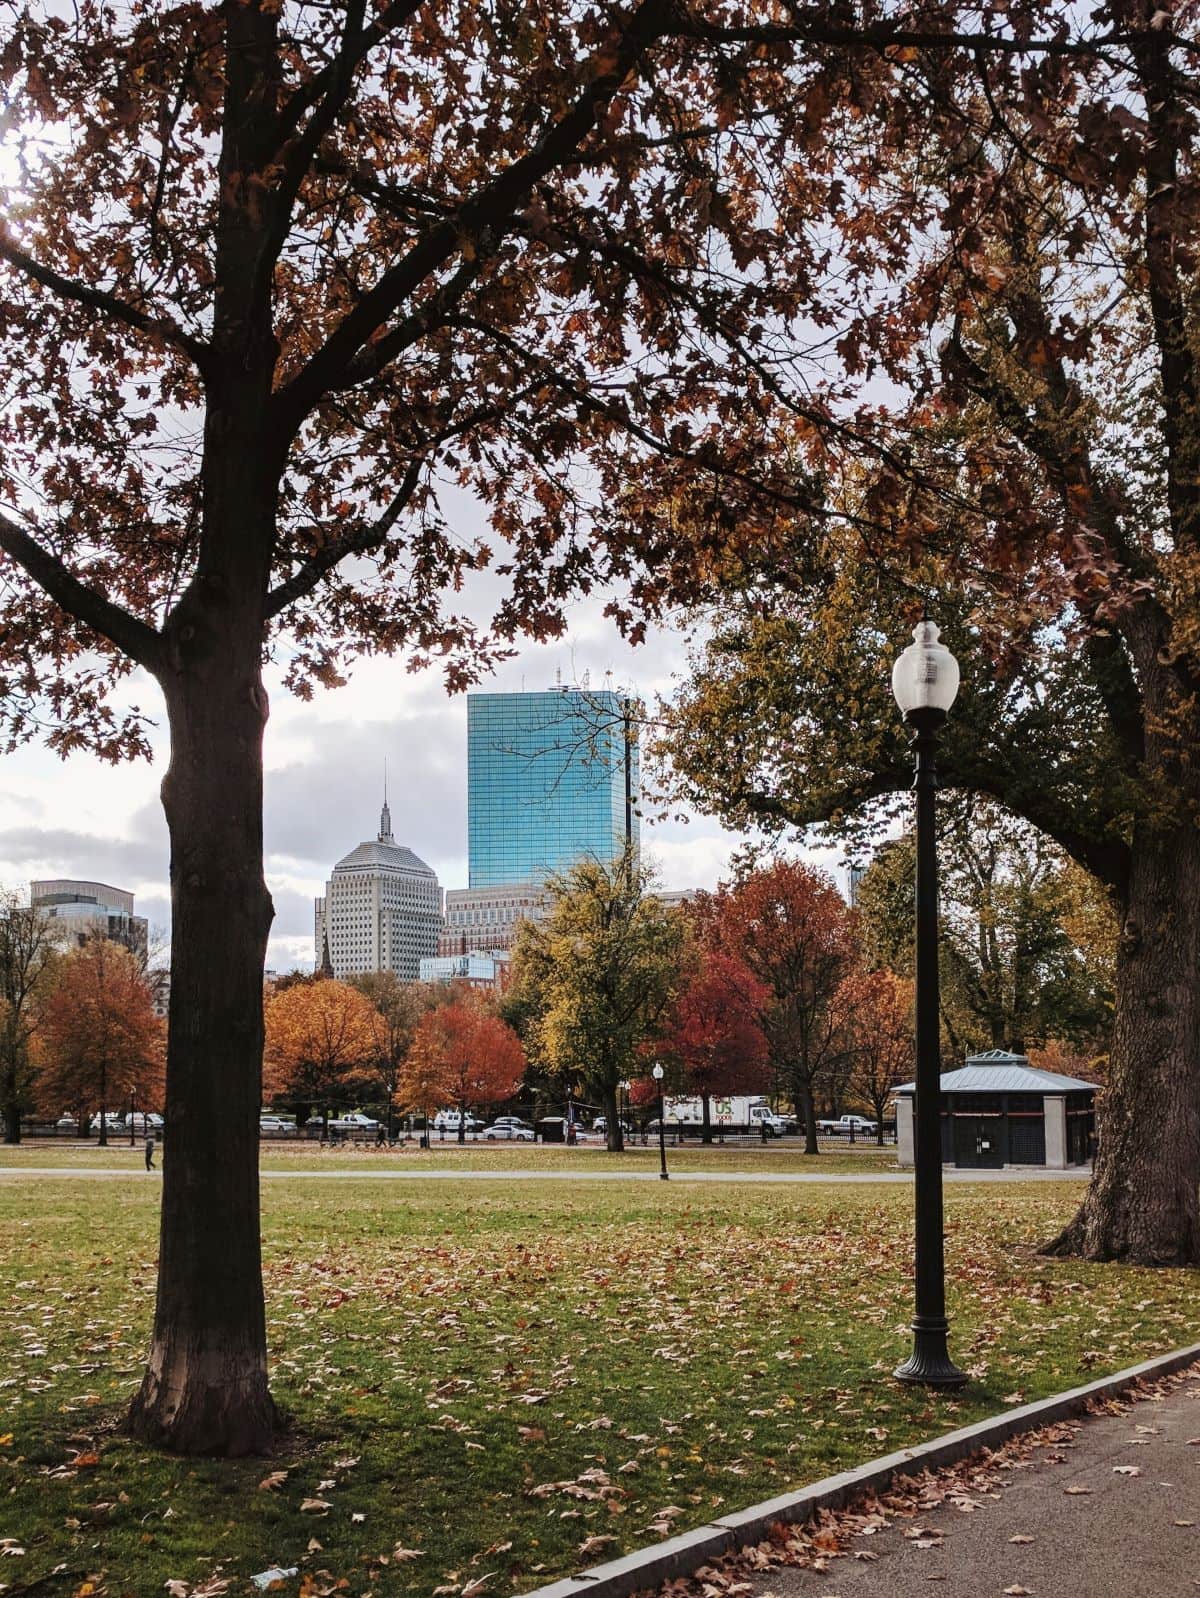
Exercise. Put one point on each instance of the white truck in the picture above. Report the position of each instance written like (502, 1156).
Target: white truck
(734, 1112)
(848, 1126)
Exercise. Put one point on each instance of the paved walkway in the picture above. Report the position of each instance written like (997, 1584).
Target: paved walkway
(1112, 1511)
(377, 1173)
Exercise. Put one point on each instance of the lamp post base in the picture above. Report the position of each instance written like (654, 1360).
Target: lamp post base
(929, 1364)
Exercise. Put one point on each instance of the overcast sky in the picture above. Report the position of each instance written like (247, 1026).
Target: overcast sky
(324, 786)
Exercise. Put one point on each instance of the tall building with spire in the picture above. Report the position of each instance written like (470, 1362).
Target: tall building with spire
(381, 911)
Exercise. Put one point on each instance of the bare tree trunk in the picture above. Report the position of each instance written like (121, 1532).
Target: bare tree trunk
(614, 1134)
(103, 1142)
(808, 1112)
(1142, 1204)
(205, 1387)
(12, 1119)
(706, 1135)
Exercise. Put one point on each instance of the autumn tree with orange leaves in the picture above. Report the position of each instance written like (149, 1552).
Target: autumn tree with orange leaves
(99, 1040)
(318, 1034)
(464, 1055)
(873, 1015)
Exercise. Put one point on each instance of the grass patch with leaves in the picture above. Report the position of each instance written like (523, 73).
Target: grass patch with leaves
(775, 1157)
(494, 1384)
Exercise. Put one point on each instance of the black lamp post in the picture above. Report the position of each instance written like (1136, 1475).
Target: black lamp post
(925, 681)
(657, 1074)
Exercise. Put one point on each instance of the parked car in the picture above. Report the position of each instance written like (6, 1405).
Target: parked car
(145, 1121)
(353, 1121)
(847, 1124)
(66, 1123)
(600, 1124)
(509, 1130)
(275, 1126)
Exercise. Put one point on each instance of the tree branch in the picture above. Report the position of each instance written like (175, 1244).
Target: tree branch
(111, 305)
(137, 640)
(355, 542)
(482, 217)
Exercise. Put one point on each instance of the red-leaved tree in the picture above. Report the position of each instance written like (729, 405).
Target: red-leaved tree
(465, 1056)
(788, 925)
(714, 1034)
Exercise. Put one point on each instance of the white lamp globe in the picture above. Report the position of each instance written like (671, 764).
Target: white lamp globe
(926, 675)
(657, 1073)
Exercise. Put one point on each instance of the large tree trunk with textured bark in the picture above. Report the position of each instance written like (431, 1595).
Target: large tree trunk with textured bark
(205, 1388)
(1142, 1205)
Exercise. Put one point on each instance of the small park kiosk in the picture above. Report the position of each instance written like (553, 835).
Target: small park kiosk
(999, 1110)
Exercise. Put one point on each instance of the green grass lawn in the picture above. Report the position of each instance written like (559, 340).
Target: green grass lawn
(516, 1379)
(784, 1156)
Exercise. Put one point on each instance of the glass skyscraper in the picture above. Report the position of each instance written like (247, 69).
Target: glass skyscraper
(552, 778)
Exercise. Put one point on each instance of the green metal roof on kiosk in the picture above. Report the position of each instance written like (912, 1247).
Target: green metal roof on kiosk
(1000, 1072)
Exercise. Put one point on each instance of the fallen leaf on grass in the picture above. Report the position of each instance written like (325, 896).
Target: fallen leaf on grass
(275, 1479)
(1076, 1492)
(477, 1585)
(1016, 1591)
(531, 1434)
(407, 1553)
(87, 1461)
(315, 1506)
(1020, 1538)
(1185, 1522)
(1127, 1470)
(593, 1545)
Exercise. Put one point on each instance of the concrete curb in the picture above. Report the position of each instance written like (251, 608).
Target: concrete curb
(680, 1556)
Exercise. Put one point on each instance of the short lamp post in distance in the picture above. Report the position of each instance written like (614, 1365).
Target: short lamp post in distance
(925, 681)
(657, 1074)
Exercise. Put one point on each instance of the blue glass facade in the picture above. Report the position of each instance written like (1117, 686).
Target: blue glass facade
(547, 782)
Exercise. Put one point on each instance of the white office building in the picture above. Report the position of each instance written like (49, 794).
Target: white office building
(83, 910)
(381, 911)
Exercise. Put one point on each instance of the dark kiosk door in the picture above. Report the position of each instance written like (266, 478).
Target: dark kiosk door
(977, 1142)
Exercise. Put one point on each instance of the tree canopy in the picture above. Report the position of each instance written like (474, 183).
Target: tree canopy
(318, 1035)
(595, 979)
(788, 925)
(99, 1040)
(1013, 975)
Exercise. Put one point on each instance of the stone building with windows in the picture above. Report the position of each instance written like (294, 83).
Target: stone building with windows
(381, 910)
(484, 919)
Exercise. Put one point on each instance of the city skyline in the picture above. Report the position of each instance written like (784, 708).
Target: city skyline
(324, 779)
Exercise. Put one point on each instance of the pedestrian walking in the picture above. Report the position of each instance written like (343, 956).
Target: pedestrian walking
(149, 1151)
